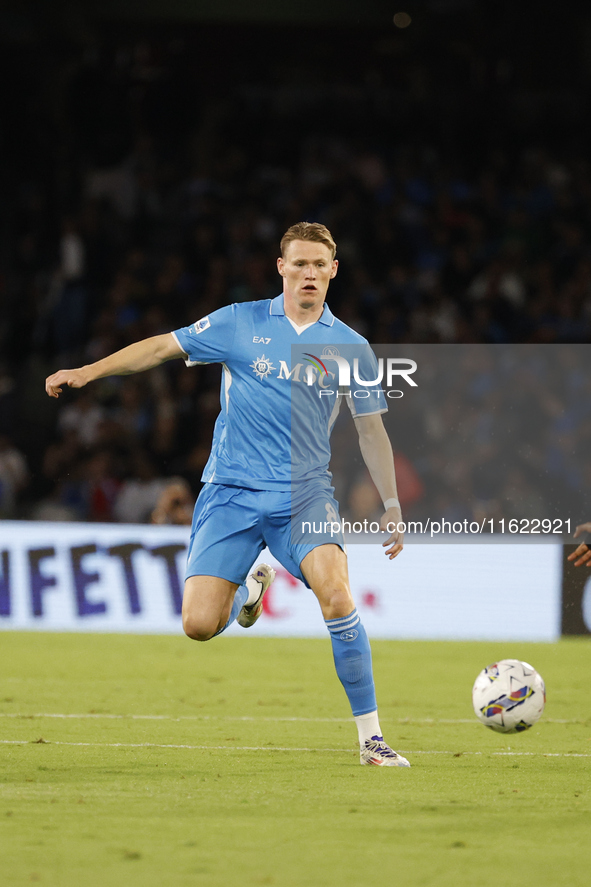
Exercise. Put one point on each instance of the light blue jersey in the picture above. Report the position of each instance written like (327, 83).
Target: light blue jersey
(279, 392)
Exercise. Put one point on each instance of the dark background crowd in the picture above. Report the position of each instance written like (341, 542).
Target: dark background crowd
(150, 167)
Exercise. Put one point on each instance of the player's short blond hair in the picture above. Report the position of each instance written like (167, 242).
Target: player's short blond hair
(313, 231)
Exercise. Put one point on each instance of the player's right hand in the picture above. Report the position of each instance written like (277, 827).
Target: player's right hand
(71, 378)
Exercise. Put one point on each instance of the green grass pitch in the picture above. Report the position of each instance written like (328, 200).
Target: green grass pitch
(169, 763)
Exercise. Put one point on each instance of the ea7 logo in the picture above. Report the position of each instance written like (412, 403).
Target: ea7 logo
(261, 340)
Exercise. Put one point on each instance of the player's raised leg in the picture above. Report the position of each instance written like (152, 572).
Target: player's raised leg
(208, 602)
(211, 604)
(225, 538)
(325, 569)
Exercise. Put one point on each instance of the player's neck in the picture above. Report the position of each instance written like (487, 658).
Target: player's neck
(301, 315)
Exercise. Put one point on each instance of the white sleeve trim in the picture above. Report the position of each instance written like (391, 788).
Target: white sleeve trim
(188, 361)
(360, 415)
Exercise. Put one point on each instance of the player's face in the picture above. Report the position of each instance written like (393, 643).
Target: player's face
(307, 268)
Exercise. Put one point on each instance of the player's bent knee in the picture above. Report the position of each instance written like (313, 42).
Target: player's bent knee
(197, 629)
(336, 602)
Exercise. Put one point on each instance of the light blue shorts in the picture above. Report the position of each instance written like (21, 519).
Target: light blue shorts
(232, 525)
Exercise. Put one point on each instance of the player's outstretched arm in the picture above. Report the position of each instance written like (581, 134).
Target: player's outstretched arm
(143, 355)
(376, 450)
(582, 553)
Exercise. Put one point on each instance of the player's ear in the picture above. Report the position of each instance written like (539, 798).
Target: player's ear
(335, 268)
(280, 266)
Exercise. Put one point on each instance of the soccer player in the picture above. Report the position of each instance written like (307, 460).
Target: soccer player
(267, 476)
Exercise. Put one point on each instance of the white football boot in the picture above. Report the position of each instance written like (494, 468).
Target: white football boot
(375, 751)
(262, 575)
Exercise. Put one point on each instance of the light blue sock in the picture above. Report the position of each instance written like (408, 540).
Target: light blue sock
(240, 599)
(352, 659)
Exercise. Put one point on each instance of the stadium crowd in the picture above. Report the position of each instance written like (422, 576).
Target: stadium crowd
(145, 205)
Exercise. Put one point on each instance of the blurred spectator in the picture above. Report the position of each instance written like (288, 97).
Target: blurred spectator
(139, 495)
(83, 418)
(363, 501)
(175, 505)
(100, 487)
(14, 476)
(8, 401)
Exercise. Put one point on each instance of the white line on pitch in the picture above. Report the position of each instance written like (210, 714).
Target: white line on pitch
(221, 718)
(131, 717)
(167, 717)
(518, 754)
(167, 745)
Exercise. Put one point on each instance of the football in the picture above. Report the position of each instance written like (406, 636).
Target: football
(509, 696)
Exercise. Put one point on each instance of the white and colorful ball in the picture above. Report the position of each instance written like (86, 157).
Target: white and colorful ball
(509, 696)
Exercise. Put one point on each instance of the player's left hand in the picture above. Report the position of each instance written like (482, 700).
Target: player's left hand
(582, 553)
(394, 544)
